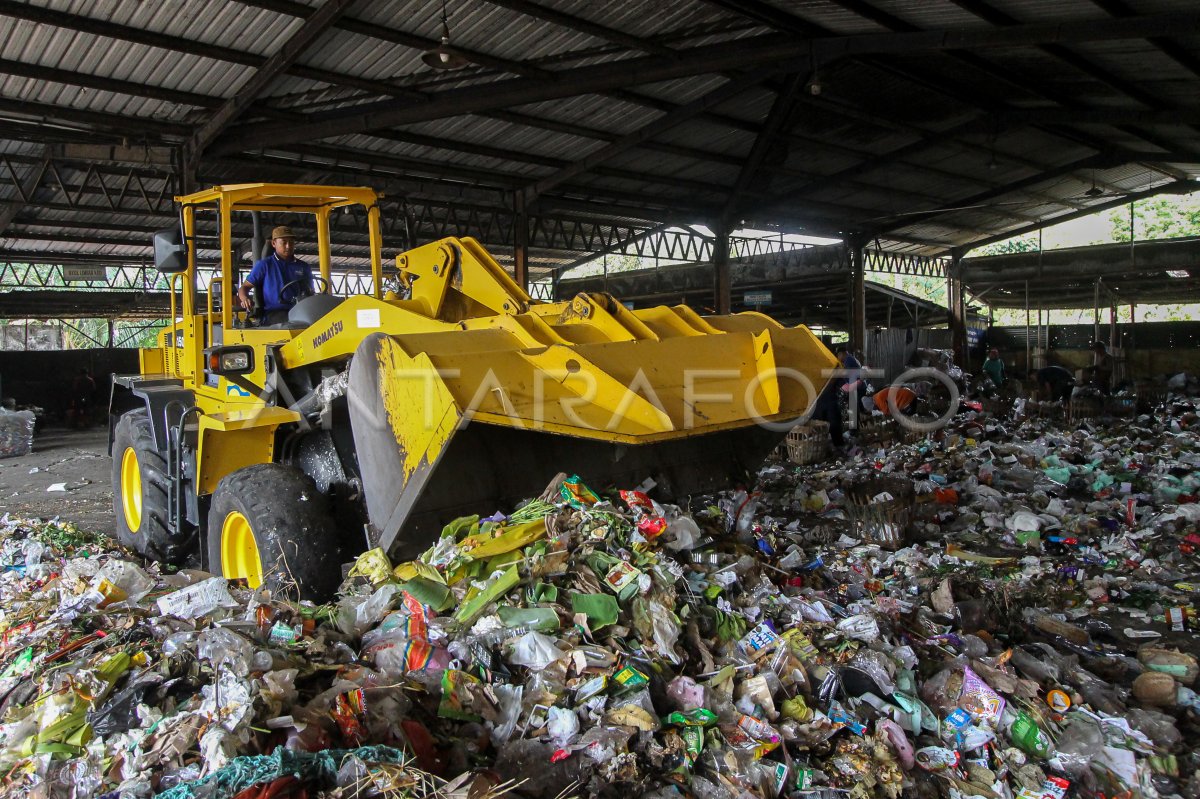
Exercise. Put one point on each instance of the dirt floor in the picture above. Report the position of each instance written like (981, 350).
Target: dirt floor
(67, 475)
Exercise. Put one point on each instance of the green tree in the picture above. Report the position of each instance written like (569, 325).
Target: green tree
(1026, 243)
(1157, 218)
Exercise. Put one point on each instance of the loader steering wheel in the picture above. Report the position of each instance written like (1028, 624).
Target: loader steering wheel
(299, 282)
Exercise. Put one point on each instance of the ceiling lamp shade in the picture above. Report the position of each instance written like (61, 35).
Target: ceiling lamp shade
(442, 57)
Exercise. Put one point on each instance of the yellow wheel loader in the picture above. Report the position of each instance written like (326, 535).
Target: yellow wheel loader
(272, 453)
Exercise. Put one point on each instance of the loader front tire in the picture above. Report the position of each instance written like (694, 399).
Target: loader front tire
(140, 492)
(270, 526)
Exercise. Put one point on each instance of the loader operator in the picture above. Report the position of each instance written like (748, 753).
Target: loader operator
(280, 279)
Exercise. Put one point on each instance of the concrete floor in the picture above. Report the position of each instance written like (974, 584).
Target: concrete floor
(77, 458)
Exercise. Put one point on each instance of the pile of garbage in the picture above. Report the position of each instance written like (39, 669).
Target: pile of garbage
(993, 614)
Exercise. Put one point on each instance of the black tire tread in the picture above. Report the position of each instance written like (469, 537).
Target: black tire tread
(154, 540)
(293, 527)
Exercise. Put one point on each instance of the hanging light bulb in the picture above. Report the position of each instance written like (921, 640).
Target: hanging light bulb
(442, 57)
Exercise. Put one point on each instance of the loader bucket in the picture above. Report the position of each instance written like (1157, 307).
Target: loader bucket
(450, 423)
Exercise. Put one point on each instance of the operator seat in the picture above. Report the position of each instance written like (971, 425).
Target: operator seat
(309, 309)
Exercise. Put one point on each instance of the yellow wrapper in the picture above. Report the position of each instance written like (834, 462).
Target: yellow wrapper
(374, 565)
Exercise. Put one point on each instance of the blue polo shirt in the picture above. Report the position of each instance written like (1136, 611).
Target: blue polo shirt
(272, 273)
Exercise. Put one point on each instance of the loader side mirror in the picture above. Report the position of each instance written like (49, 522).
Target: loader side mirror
(170, 251)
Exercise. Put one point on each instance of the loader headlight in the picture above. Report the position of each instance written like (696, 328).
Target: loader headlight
(230, 360)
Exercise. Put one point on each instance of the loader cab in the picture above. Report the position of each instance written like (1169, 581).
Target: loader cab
(219, 236)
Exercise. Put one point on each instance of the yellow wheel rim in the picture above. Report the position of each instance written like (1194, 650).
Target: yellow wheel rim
(239, 551)
(131, 490)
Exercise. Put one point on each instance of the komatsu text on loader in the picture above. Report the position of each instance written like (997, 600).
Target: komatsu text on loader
(273, 453)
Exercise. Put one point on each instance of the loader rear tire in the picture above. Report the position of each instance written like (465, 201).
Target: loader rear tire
(139, 474)
(270, 526)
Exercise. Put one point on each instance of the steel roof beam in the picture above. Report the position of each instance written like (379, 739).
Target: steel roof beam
(709, 155)
(113, 30)
(1177, 187)
(21, 130)
(41, 257)
(25, 189)
(376, 31)
(68, 238)
(781, 20)
(374, 87)
(894, 23)
(105, 84)
(1100, 161)
(1066, 55)
(769, 52)
(505, 65)
(786, 21)
(722, 93)
(309, 31)
(504, 180)
(177, 44)
(25, 221)
(780, 114)
(61, 158)
(1000, 191)
(1181, 55)
(549, 162)
(72, 117)
(582, 26)
(540, 123)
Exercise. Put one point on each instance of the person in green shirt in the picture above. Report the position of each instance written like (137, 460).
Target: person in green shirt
(993, 367)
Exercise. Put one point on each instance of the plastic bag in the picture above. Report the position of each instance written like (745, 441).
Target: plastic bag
(509, 699)
(16, 432)
(563, 726)
(225, 649)
(128, 577)
(535, 651)
(657, 623)
(356, 615)
(682, 533)
(1078, 743)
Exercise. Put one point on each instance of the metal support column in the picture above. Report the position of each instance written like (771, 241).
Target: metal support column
(520, 242)
(187, 168)
(1042, 339)
(1028, 343)
(858, 295)
(957, 308)
(723, 285)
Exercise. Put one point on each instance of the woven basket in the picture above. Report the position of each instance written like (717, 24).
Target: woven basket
(1051, 411)
(884, 522)
(808, 443)
(1150, 397)
(1085, 408)
(996, 406)
(876, 429)
(1124, 405)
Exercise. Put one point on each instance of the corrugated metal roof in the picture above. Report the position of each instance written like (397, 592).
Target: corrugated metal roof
(892, 137)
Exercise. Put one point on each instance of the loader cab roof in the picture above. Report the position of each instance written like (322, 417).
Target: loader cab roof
(283, 197)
